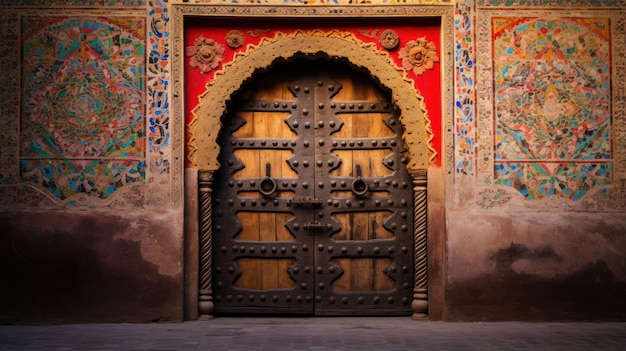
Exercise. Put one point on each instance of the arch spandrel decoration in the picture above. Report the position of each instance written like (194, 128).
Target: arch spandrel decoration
(203, 148)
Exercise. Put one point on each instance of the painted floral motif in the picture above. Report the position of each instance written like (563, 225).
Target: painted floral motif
(418, 56)
(552, 101)
(235, 39)
(206, 54)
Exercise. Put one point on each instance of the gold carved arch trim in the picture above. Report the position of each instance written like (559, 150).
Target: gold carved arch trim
(203, 148)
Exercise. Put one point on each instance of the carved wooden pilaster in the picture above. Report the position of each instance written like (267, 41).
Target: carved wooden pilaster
(419, 305)
(205, 297)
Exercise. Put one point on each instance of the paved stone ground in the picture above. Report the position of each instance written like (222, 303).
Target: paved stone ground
(319, 334)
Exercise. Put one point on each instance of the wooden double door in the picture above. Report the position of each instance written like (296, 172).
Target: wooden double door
(313, 205)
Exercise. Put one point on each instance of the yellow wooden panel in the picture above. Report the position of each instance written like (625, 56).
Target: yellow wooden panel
(263, 226)
(282, 233)
(363, 274)
(363, 82)
(362, 226)
(253, 276)
(375, 127)
(257, 195)
(250, 226)
(371, 162)
(254, 162)
(348, 194)
(264, 125)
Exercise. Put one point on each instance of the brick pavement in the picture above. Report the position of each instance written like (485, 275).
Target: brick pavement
(319, 334)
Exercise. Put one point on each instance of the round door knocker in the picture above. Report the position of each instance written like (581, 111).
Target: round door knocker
(359, 185)
(267, 186)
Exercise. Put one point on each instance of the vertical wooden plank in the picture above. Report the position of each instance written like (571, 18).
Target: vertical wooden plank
(364, 268)
(250, 231)
(376, 128)
(249, 278)
(344, 220)
(283, 170)
(342, 284)
(345, 170)
(250, 226)
(268, 268)
(272, 271)
(361, 268)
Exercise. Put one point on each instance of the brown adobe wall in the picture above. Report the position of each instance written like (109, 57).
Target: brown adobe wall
(58, 267)
(536, 266)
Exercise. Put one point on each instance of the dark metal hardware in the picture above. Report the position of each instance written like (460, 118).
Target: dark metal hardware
(359, 185)
(304, 202)
(267, 186)
(316, 226)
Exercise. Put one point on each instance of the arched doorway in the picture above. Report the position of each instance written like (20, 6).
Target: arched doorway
(205, 149)
(313, 203)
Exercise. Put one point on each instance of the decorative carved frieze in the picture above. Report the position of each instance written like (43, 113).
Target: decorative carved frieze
(418, 134)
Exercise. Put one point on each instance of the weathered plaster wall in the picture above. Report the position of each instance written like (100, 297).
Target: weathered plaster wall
(90, 266)
(536, 266)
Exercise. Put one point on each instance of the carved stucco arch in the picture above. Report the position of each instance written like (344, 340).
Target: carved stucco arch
(206, 125)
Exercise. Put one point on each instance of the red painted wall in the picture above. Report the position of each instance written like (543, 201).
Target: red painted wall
(427, 85)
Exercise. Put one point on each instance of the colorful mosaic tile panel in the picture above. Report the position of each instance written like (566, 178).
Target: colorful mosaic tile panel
(69, 179)
(552, 105)
(464, 58)
(83, 103)
(567, 179)
(158, 76)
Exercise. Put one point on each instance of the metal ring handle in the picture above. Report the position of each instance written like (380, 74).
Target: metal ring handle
(359, 187)
(268, 186)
